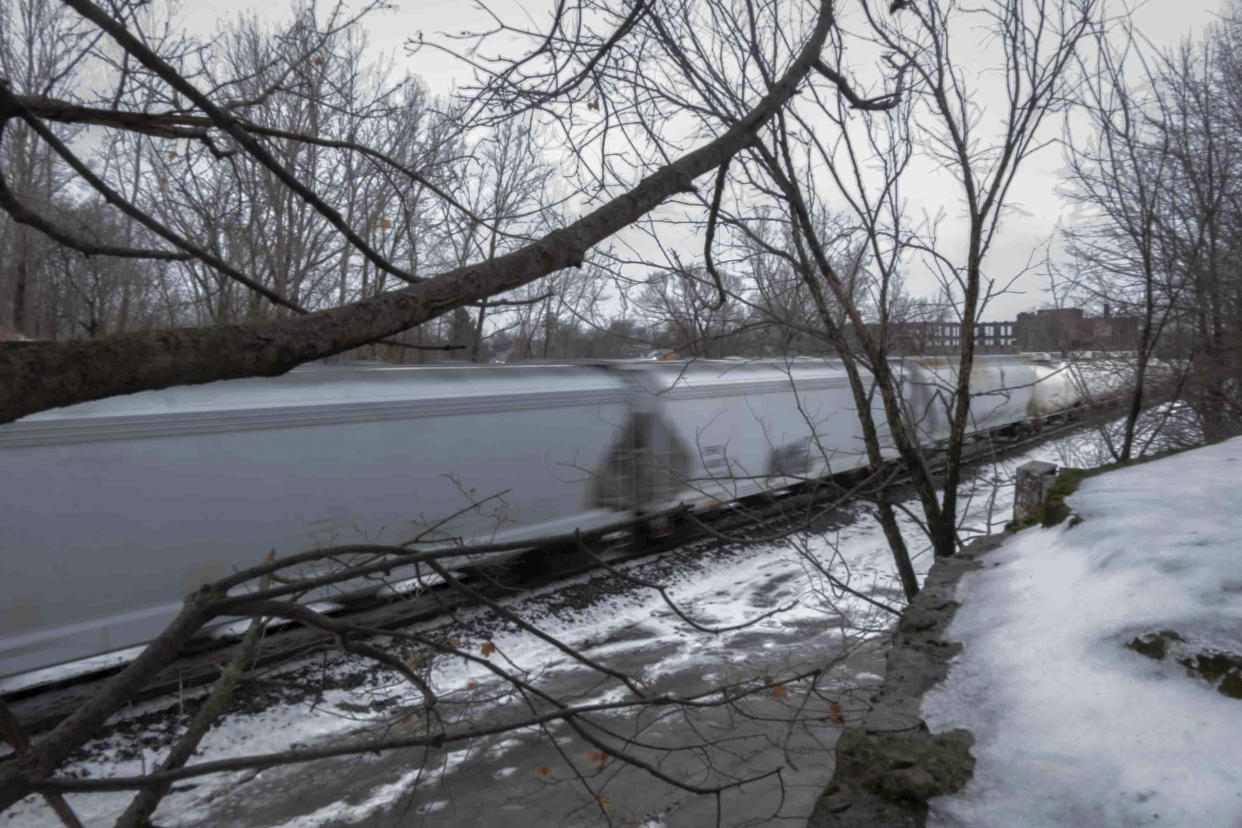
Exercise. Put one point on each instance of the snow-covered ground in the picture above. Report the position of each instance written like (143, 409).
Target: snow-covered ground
(534, 777)
(628, 629)
(1071, 726)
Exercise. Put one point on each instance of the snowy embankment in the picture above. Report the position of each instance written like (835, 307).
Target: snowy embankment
(1101, 661)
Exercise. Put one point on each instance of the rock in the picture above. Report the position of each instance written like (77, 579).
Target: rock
(1154, 645)
(1222, 670)
(903, 769)
(916, 620)
(1213, 666)
(890, 765)
(909, 783)
(1031, 490)
(1231, 686)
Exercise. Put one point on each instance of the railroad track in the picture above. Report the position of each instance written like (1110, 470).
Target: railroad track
(40, 706)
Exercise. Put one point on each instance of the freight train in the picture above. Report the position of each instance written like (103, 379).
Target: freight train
(111, 511)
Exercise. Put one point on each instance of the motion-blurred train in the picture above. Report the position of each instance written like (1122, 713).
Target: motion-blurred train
(111, 511)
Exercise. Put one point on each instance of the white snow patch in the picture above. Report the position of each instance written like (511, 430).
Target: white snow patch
(384, 796)
(1070, 726)
(502, 747)
(64, 672)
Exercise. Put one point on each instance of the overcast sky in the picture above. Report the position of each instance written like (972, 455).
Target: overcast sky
(1024, 234)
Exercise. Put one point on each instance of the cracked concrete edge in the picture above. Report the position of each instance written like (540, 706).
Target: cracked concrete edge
(889, 765)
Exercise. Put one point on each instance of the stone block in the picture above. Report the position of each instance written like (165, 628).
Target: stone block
(1032, 487)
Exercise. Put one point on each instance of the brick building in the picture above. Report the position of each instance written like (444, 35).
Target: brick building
(1069, 329)
(1057, 330)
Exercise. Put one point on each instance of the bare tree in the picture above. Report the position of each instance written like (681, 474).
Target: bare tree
(681, 311)
(1154, 239)
(981, 146)
(1121, 180)
(1201, 223)
(505, 182)
(41, 51)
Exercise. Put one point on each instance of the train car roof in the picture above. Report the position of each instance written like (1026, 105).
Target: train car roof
(318, 394)
(349, 383)
(360, 391)
(694, 378)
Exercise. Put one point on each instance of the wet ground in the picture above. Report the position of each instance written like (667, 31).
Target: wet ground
(552, 776)
(555, 778)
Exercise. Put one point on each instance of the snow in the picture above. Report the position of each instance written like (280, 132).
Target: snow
(1070, 726)
(68, 671)
(382, 797)
(636, 628)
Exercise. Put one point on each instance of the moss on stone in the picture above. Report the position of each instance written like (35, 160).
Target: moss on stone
(1212, 666)
(1154, 645)
(1224, 670)
(1231, 686)
(1055, 508)
(907, 767)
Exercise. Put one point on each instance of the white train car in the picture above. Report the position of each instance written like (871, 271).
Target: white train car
(112, 511)
(718, 431)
